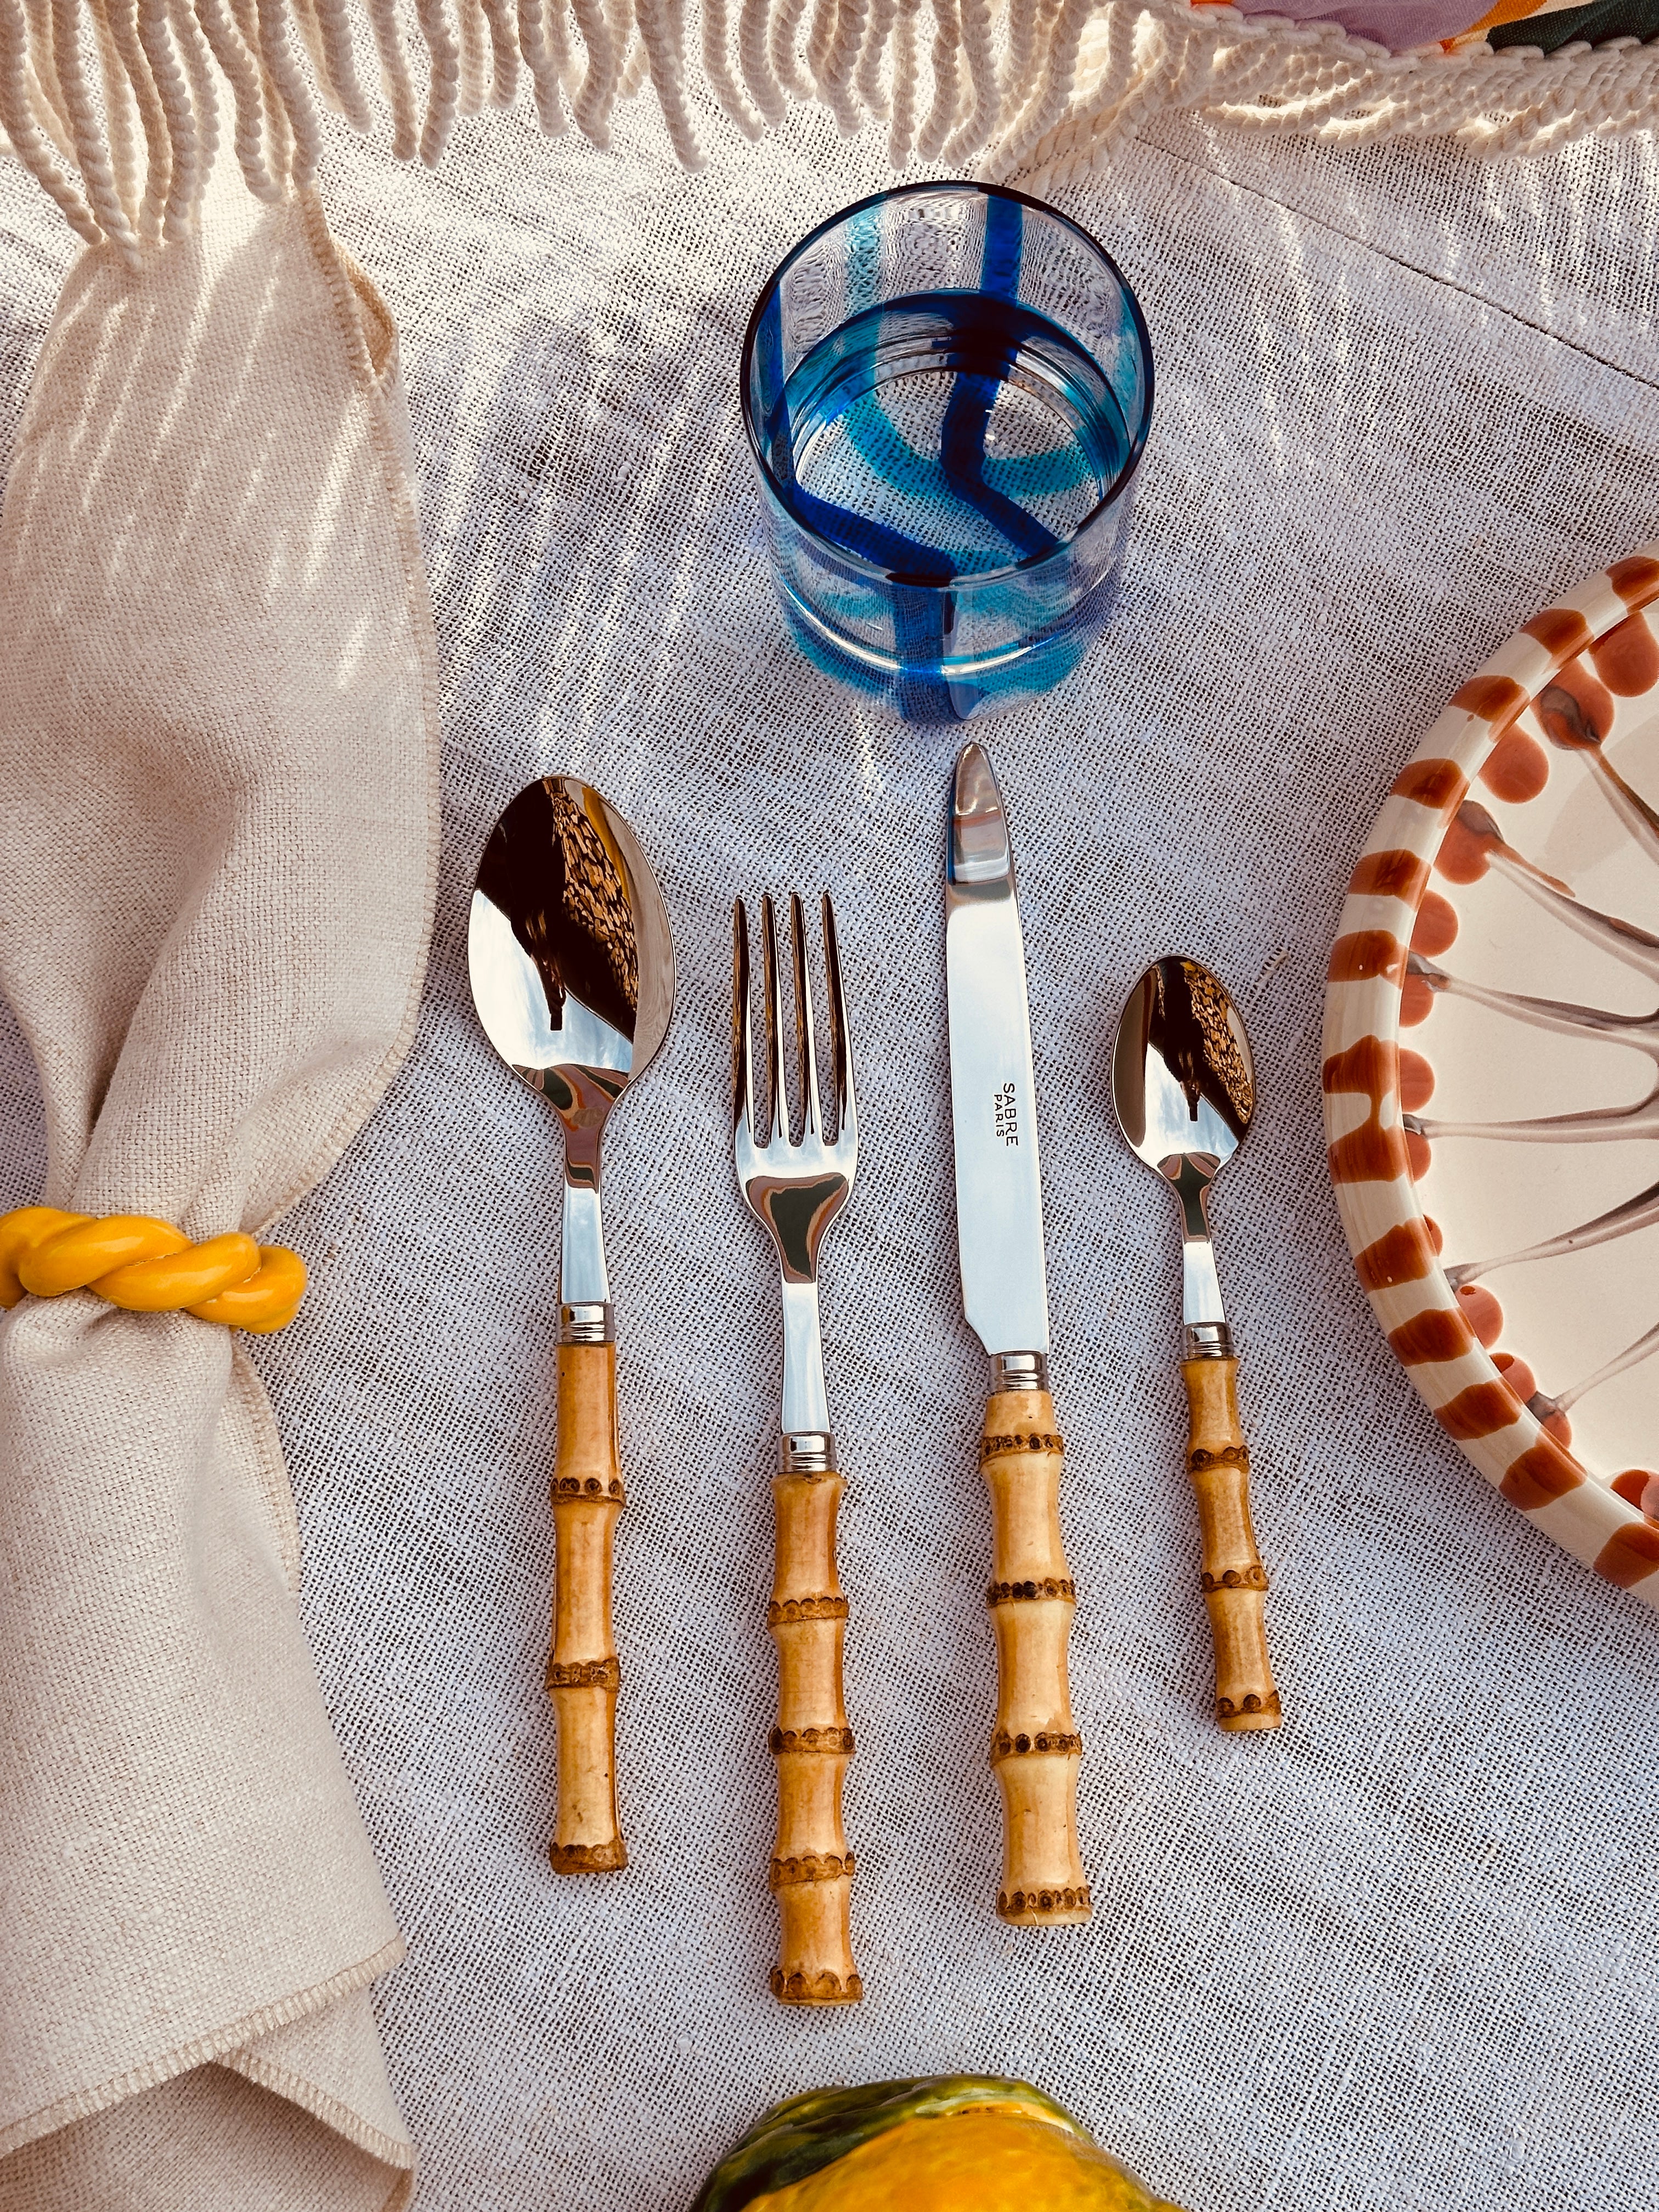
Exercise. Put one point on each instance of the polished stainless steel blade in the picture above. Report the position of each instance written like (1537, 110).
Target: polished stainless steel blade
(1004, 1291)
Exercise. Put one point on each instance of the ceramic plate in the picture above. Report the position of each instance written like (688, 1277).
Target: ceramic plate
(1491, 1071)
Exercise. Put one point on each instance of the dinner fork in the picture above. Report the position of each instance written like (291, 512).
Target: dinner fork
(796, 1189)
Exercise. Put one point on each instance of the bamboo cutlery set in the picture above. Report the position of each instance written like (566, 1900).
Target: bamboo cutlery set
(572, 961)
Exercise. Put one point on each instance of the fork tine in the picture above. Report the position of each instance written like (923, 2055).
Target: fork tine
(841, 1041)
(806, 1044)
(742, 1048)
(776, 1076)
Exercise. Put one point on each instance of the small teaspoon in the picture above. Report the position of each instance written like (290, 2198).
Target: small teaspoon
(1184, 1087)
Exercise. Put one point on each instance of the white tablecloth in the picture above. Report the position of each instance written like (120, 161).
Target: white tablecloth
(1401, 1953)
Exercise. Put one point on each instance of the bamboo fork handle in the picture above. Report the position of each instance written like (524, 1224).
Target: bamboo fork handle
(1036, 1749)
(582, 1669)
(1235, 1580)
(811, 1873)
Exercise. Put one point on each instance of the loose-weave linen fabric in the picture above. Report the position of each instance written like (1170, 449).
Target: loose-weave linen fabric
(217, 748)
(1399, 1954)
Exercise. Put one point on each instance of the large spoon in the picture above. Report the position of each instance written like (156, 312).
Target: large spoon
(572, 976)
(1185, 1091)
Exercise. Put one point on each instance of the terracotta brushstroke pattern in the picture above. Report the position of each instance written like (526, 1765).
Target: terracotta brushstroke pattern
(1479, 921)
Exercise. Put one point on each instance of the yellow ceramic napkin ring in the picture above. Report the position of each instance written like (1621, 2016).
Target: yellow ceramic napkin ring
(148, 1267)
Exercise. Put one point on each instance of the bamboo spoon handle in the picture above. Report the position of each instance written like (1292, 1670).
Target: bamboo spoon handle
(1036, 1749)
(582, 1670)
(811, 1873)
(1235, 1580)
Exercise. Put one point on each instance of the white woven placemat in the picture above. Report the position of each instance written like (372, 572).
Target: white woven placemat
(1399, 1954)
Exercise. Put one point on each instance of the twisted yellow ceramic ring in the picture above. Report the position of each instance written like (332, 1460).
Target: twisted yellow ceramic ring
(148, 1267)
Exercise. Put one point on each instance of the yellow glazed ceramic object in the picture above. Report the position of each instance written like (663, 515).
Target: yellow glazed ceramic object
(148, 1267)
(955, 2143)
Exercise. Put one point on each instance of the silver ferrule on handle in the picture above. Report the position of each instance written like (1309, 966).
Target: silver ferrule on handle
(586, 1323)
(1019, 1370)
(805, 1402)
(806, 1451)
(1208, 1340)
(584, 1285)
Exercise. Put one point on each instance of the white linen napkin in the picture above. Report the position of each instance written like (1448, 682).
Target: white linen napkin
(218, 754)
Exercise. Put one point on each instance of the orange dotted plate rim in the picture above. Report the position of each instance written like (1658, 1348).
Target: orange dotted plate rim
(1388, 1231)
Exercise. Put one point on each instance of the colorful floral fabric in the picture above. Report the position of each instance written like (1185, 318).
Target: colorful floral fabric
(1401, 25)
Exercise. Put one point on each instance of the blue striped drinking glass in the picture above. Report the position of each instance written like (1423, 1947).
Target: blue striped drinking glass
(947, 389)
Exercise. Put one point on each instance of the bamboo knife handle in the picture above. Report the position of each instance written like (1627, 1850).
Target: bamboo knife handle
(1036, 1749)
(811, 1873)
(582, 1670)
(1235, 1580)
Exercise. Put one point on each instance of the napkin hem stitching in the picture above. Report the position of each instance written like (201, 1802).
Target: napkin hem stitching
(280, 2082)
(277, 1482)
(202, 2051)
(376, 389)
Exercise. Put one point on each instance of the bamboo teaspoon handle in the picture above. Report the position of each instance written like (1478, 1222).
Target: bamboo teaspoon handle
(812, 1872)
(1235, 1580)
(583, 1674)
(1036, 1749)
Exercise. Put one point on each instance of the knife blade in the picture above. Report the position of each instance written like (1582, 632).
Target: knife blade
(1004, 1290)
(1035, 1748)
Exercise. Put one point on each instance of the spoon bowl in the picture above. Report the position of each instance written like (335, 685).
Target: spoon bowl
(571, 956)
(1183, 1080)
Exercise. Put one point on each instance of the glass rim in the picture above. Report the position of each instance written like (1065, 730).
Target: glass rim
(1115, 490)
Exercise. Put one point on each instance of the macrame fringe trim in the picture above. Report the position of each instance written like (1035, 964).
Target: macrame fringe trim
(115, 105)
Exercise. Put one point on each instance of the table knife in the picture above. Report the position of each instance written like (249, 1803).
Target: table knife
(1035, 1748)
